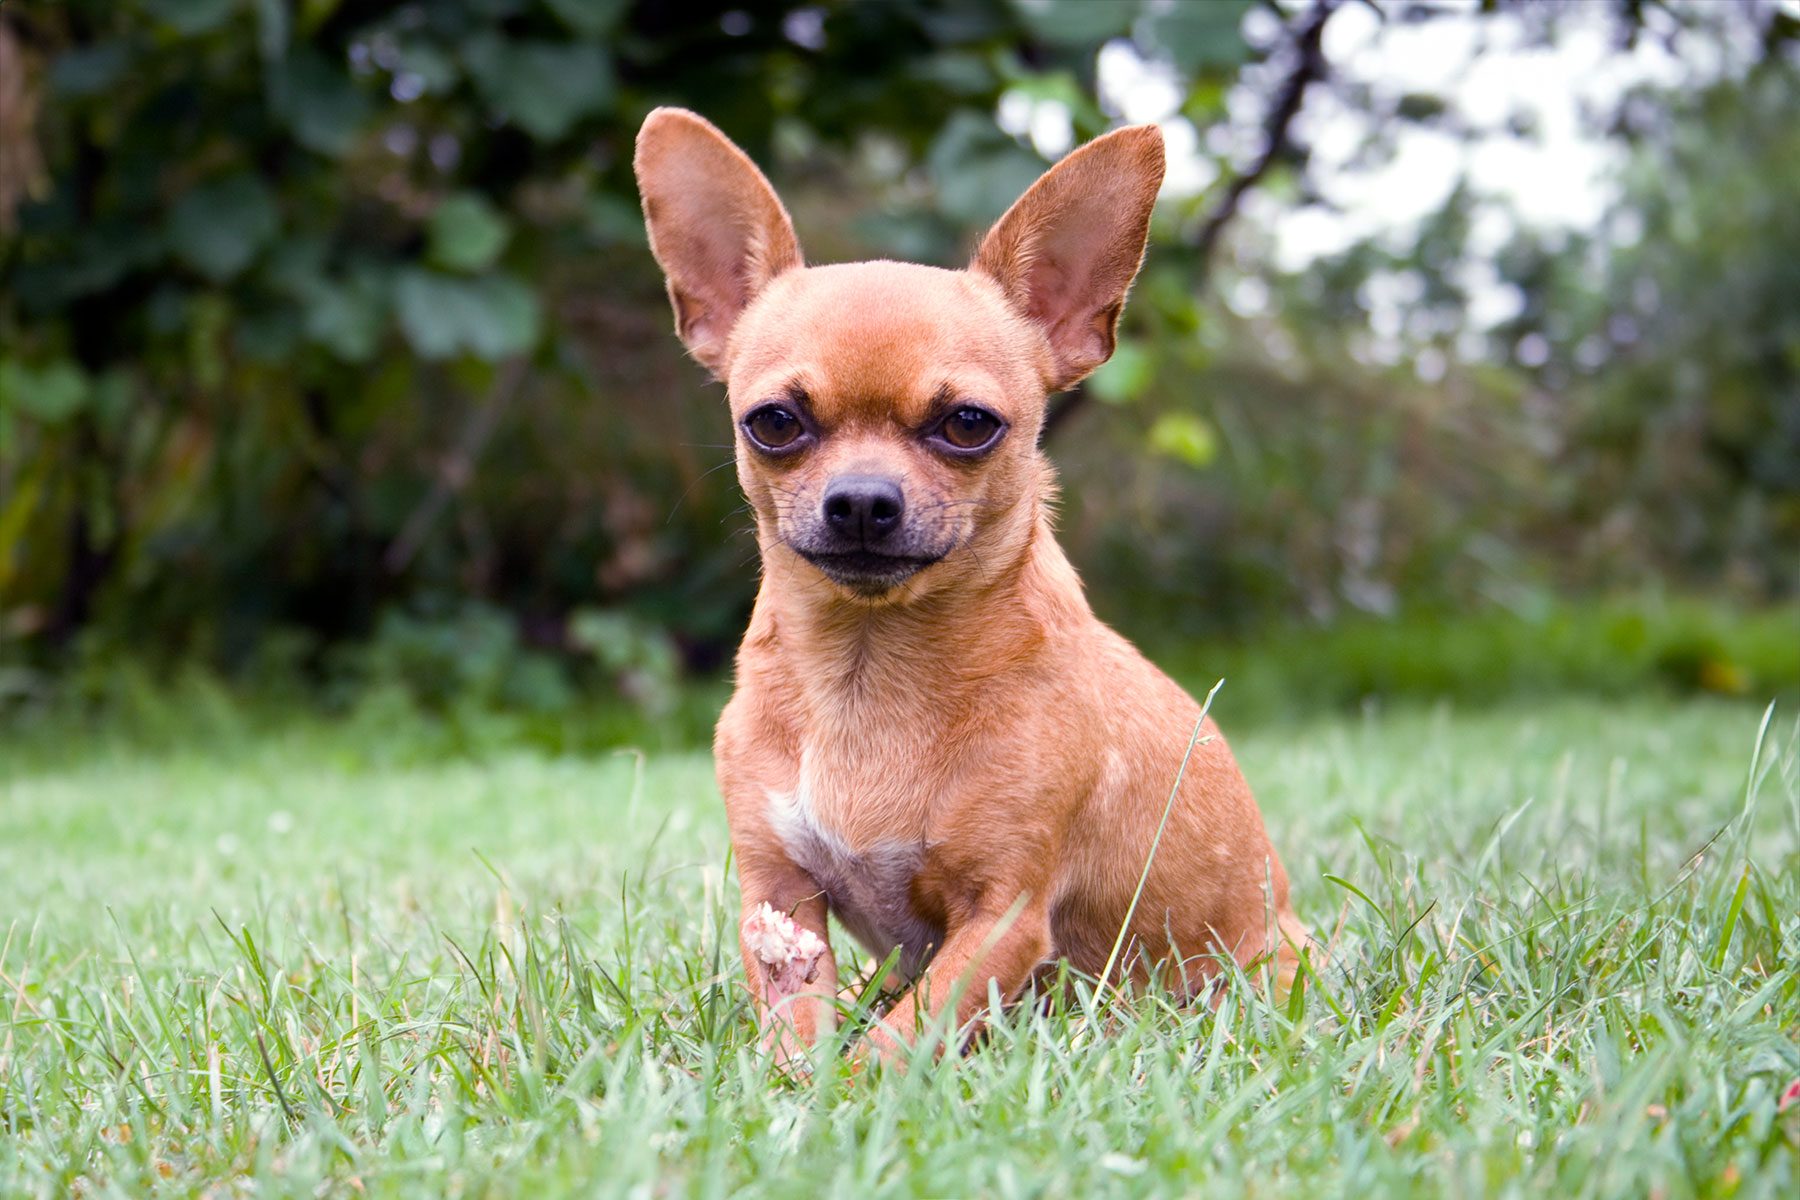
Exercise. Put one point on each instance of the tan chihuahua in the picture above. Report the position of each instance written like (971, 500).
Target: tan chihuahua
(933, 738)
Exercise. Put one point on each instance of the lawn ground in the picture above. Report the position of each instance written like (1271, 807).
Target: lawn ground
(332, 961)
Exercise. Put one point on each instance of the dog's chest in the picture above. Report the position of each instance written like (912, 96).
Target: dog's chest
(870, 889)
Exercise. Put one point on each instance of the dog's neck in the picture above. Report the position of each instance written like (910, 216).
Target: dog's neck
(842, 652)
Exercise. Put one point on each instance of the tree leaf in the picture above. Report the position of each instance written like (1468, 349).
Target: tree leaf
(1125, 376)
(978, 170)
(51, 393)
(274, 26)
(319, 102)
(510, 318)
(346, 315)
(1078, 22)
(1197, 37)
(435, 67)
(467, 233)
(110, 398)
(590, 18)
(89, 70)
(268, 333)
(190, 17)
(612, 221)
(493, 317)
(105, 254)
(1185, 438)
(543, 87)
(218, 228)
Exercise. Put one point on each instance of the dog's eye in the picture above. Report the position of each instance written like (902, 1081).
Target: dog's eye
(970, 428)
(772, 427)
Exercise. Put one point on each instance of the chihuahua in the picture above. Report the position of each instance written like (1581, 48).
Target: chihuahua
(933, 738)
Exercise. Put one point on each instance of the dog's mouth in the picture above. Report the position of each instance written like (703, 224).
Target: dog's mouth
(867, 572)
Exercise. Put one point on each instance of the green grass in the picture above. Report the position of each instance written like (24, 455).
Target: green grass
(329, 960)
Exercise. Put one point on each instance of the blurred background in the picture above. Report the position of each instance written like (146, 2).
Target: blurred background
(335, 373)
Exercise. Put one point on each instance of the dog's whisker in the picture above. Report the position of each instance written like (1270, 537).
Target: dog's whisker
(680, 500)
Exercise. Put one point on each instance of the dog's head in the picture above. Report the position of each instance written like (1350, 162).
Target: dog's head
(887, 413)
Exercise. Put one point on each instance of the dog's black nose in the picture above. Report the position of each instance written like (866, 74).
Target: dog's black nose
(863, 507)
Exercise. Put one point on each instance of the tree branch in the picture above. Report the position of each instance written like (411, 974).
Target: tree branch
(457, 468)
(1309, 66)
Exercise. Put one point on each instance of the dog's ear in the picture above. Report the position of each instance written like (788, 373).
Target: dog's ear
(716, 227)
(1067, 251)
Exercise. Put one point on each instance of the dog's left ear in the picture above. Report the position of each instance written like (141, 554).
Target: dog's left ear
(1067, 251)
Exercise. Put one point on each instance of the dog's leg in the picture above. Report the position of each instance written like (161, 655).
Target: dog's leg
(1002, 947)
(787, 957)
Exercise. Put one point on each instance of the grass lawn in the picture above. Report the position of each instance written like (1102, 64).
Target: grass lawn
(335, 960)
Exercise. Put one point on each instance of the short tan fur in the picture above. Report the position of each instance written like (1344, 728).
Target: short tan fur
(932, 735)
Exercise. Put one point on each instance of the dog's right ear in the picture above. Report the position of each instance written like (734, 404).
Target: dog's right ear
(716, 227)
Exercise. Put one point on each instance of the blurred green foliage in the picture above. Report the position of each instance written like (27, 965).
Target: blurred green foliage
(329, 340)
(1614, 648)
(459, 683)
(1686, 358)
(316, 315)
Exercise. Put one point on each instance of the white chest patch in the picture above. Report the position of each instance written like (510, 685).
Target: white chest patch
(870, 892)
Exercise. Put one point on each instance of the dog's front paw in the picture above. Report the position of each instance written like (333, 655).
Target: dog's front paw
(790, 953)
